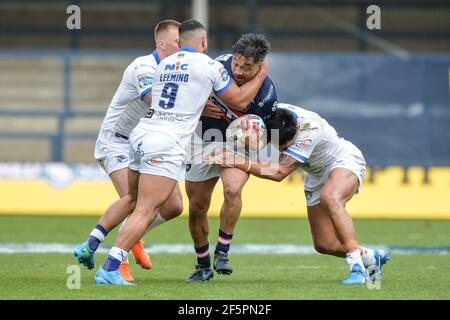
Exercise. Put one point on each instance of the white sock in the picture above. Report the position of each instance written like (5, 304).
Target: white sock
(158, 221)
(368, 257)
(96, 233)
(118, 254)
(353, 258)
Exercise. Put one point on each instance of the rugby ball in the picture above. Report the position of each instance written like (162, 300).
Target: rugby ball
(246, 132)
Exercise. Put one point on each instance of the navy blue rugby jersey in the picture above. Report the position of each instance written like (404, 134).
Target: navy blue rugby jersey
(264, 104)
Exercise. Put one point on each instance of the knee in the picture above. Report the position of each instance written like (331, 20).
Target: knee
(144, 214)
(232, 193)
(331, 201)
(178, 208)
(130, 201)
(198, 207)
(198, 217)
(175, 209)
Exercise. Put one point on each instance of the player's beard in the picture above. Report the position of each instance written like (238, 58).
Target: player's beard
(239, 81)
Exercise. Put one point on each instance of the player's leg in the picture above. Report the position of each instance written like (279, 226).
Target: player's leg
(326, 242)
(199, 194)
(337, 191)
(119, 179)
(322, 232)
(113, 216)
(171, 209)
(233, 182)
(153, 191)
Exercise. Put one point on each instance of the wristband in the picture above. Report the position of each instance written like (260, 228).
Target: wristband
(249, 165)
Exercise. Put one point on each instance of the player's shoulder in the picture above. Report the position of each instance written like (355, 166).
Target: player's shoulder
(268, 87)
(267, 92)
(148, 61)
(212, 64)
(224, 57)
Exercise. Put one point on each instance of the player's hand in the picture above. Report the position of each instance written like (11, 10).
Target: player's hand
(252, 134)
(224, 158)
(211, 110)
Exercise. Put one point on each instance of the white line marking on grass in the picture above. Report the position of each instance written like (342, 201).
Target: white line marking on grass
(179, 248)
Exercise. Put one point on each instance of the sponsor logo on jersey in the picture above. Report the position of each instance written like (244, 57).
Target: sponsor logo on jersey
(154, 161)
(308, 194)
(170, 116)
(149, 113)
(145, 79)
(306, 143)
(121, 158)
(176, 67)
(180, 55)
(268, 96)
(142, 65)
(188, 167)
(224, 74)
(275, 106)
(138, 153)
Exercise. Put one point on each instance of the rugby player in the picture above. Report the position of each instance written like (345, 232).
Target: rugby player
(243, 65)
(130, 103)
(335, 171)
(182, 84)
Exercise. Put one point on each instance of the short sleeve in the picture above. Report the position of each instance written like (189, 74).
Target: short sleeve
(142, 78)
(220, 77)
(305, 142)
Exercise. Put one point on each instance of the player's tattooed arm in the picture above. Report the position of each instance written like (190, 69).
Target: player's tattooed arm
(266, 170)
(279, 171)
(289, 162)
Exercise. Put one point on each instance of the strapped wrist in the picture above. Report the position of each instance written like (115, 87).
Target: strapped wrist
(249, 165)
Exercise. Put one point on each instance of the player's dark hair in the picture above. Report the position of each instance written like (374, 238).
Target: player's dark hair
(285, 122)
(190, 25)
(252, 45)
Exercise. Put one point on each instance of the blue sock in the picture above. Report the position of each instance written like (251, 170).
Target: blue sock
(96, 237)
(111, 264)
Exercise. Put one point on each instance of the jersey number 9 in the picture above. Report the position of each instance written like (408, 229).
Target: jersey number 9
(168, 95)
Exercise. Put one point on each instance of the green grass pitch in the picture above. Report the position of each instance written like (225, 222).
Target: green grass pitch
(256, 276)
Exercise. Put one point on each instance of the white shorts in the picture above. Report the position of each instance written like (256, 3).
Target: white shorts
(111, 152)
(353, 160)
(156, 153)
(201, 172)
(196, 168)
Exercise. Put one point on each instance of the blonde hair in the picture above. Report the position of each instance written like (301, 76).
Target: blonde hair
(164, 25)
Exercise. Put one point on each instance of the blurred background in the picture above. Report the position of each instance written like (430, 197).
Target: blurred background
(386, 90)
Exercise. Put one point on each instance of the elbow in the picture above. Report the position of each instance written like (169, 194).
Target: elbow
(243, 104)
(240, 105)
(278, 177)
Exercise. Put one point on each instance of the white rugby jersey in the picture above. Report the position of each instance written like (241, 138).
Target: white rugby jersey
(127, 107)
(317, 144)
(183, 82)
